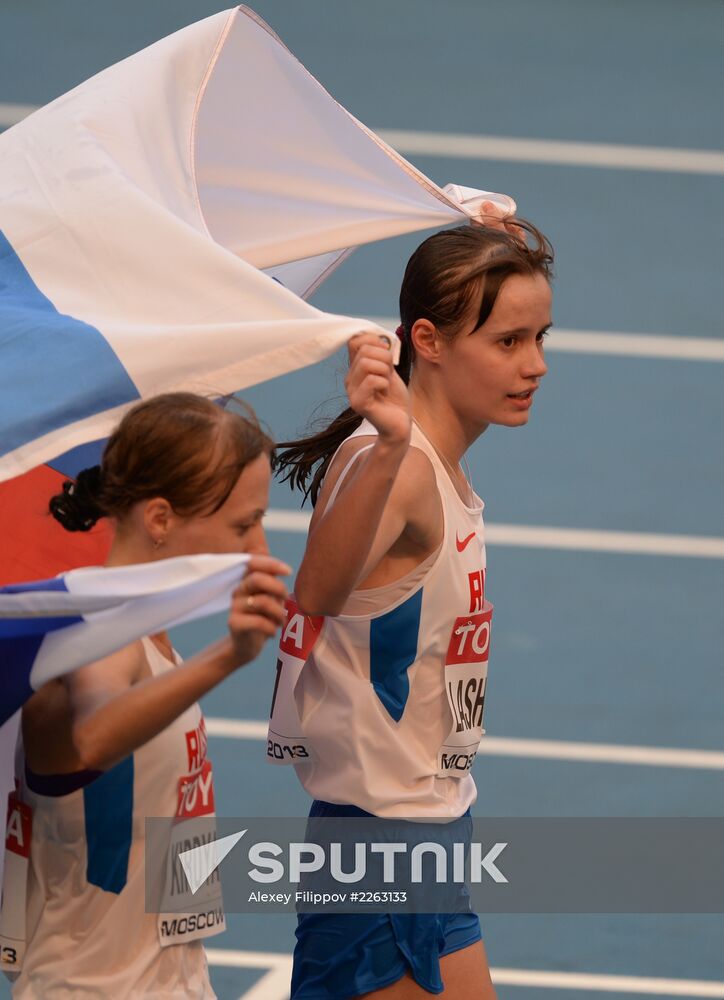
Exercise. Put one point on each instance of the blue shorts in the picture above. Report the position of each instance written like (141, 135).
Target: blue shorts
(343, 955)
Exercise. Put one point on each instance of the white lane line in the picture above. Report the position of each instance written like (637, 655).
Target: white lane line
(541, 978)
(296, 521)
(237, 729)
(631, 542)
(460, 146)
(273, 986)
(501, 746)
(572, 539)
(607, 984)
(11, 114)
(231, 959)
(637, 345)
(602, 753)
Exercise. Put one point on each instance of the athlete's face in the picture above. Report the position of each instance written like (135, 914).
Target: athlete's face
(492, 373)
(235, 527)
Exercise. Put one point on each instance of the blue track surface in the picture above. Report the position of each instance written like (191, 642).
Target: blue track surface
(609, 648)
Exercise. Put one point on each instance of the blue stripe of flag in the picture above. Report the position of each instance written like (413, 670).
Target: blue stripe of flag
(54, 369)
(70, 463)
(20, 640)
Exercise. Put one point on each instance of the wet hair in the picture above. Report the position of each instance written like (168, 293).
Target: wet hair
(185, 448)
(448, 274)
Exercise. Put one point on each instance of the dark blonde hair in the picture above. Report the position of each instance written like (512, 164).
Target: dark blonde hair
(179, 446)
(447, 273)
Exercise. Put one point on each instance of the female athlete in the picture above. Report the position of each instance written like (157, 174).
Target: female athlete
(124, 738)
(390, 699)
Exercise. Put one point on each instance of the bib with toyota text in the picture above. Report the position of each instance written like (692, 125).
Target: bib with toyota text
(466, 676)
(191, 916)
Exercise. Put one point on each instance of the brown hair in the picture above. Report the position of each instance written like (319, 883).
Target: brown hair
(447, 273)
(179, 446)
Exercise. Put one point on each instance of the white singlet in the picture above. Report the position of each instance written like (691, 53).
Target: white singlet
(88, 935)
(381, 707)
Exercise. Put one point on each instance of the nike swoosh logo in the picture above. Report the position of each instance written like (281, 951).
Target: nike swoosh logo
(461, 545)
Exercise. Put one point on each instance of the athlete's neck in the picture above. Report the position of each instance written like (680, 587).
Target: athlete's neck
(446, 430)
(127, 550)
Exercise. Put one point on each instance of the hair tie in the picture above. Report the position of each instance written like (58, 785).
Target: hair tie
(400, 331)
(77, 508)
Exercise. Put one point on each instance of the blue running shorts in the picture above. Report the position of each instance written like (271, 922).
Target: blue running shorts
(344, 955)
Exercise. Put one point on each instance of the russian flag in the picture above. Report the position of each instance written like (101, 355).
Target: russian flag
(161, 227)
(146, 213)
(33, 544)
(50, 627)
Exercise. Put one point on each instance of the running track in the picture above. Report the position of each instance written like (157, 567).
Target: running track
(603, 119)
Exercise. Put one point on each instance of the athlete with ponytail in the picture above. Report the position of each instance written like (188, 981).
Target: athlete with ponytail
(124, 738)
(392, 590)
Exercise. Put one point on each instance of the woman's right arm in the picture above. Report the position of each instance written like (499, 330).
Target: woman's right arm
(380, 497)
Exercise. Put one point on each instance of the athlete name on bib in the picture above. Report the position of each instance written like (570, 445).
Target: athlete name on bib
(286, 742)
(192, 916)
(15, 884)
(466, 675)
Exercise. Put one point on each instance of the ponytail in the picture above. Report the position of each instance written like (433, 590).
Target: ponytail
(295, 463)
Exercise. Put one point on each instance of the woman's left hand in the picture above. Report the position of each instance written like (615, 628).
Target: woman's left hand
(257, 607)
(496, 217)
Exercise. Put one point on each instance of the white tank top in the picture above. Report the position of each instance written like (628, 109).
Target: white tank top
(383, 709)
(88, 934)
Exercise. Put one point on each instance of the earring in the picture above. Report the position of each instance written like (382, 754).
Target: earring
(157, 543)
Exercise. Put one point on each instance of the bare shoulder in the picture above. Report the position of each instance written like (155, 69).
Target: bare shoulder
(416, 472)
(49, 715)
(339, 464)
(108, 676)
(417, 493)
(414, 497)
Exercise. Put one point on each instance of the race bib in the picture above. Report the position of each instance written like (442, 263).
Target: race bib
(466, 675)
(286, 743)
(15, 884)
(191, 916)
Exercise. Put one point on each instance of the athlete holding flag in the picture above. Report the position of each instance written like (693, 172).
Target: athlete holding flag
(384, 657)
(124, 738)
